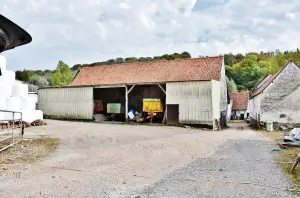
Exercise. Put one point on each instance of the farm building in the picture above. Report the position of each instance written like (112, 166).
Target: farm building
(239, 109)
(190, 91)
(277, 99)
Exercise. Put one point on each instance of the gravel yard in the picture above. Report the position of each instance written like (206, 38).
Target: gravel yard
(118, 160)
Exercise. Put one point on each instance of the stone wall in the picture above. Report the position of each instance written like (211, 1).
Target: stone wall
(280, 102)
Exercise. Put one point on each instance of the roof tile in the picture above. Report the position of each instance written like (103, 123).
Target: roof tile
(240, 100)
(198, 69)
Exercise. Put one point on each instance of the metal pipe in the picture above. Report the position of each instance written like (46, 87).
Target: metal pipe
(5, 139)
(6, 111)
(10, 130)
(10, 145)
(126, 103)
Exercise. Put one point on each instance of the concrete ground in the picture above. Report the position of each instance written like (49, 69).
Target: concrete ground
(106, 160)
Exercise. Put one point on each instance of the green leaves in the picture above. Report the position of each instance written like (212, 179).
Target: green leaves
(38, 80)
(247, 71)
(231, 86)
(62, 75)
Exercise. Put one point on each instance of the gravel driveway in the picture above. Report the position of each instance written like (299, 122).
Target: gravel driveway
(110, 160)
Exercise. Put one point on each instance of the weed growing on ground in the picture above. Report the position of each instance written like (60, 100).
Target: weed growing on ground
(27, 151)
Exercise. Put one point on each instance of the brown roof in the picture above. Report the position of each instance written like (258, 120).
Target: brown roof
(240, 100)
(198, 69)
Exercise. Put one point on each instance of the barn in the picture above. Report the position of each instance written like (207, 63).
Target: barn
(189, 91)
(240, 105)
(277, 98)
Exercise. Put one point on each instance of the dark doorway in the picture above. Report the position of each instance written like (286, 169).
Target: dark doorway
(242, 117)
(173, 114)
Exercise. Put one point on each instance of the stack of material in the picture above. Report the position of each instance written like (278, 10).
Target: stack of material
(15, 97)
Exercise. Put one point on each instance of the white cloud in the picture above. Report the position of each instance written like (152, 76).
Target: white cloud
(87, 31)
(291, 16)
(124, 5)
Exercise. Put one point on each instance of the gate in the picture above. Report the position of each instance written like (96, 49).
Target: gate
(11, 129)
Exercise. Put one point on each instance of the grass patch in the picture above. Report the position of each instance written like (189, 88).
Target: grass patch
(27, 151)
(275, 135)
(285, 159)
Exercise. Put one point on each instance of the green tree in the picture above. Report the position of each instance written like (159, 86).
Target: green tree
(130, 59)
(119, 60)
(185, 55)
(76, 67)
(39, 81)
(62, 75)
(231, 86)
(111, 62)
(142, 59)
(24, 75)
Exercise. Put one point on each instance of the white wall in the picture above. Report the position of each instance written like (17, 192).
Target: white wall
(280, 101)
(68, 103)
(254, 106)
(223, 89)
(229, 110)
(194, 99)
(216, 99)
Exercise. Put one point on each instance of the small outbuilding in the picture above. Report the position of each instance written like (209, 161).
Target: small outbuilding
(277, 98)
(189, 91)
(240, 105)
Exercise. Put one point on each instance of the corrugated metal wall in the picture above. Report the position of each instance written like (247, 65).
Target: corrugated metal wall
(194, 99)
(66, 103)
(216, 99)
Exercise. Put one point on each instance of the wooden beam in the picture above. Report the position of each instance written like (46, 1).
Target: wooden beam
(126, 103)
(131, 88)
(165, 116)
(162, 88)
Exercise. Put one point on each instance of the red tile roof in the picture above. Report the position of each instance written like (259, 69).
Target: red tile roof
(240, 100)
(198, 69)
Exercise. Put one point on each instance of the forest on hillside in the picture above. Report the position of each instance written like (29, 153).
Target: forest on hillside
(243, 71)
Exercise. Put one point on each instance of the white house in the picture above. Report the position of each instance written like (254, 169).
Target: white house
(240, 105)
(278, 98)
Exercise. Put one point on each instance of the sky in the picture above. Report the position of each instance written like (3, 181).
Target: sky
(77, 31)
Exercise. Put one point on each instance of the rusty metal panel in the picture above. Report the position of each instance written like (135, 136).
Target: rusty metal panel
(66, 103)
(194, 100)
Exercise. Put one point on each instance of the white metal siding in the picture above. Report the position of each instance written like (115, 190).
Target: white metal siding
(223, 90)
(70, 103)
(216, 99)
(193, 98)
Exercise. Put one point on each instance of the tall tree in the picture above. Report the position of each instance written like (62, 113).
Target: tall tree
(231, 86)
(38, 80)
(185, 55)
(62, 75)
(24, 75)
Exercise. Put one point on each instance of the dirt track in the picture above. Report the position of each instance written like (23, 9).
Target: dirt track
(105, 160)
